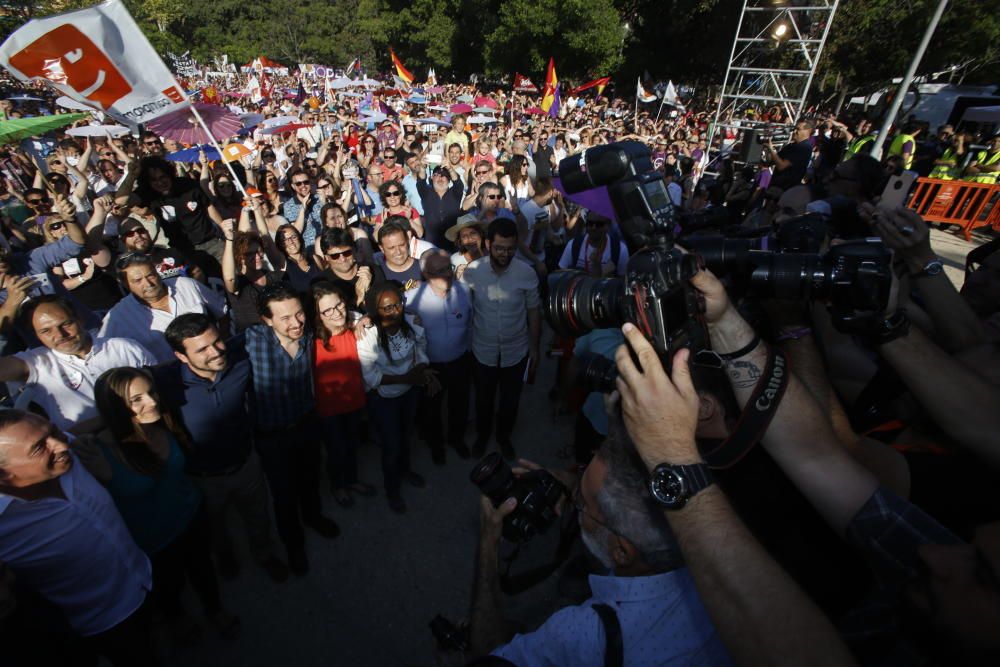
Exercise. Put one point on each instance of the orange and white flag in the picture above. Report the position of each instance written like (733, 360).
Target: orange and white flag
(99, 57)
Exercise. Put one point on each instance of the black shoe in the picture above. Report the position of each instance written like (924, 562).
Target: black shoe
(479, 448)
(413, 479)
(325, 527)
(461, 450)
(437, 455)
(507, 449)
(297, 562)
(275, 569)
(396, 504)
(228, 566)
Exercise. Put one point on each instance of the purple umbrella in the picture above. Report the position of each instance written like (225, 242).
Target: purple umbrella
(182, 127)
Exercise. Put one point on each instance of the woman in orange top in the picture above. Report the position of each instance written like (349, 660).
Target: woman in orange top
(340, 393)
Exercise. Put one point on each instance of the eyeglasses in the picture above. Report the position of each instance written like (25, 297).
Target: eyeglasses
(324, 185)
(55, 162)
(482, 172)
(55, 226)
(343, 254)
(369, 141)
(581, 508)
(254, 253)
(132, 232)
(393, 193)
(300, 183)
(35, 201)
(494, 196)
(329, 312)
(388, 157)
(310, 165)
(391, 308)
(152, 143)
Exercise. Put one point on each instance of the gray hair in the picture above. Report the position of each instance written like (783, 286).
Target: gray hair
(627, 507)
(9, 416)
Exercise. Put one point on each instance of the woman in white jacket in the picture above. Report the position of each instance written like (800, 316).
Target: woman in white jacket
(394, 365)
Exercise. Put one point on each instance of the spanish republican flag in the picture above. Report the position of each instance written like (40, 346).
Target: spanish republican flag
(550, 96)
(596, 83)
(403, 73)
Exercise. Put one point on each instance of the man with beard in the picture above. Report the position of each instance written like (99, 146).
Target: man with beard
(506, 332)
(63, 538)
(646, 598)
(286, 429)
(62, 373)
(169, 262)
(152, 304)
(209, 386)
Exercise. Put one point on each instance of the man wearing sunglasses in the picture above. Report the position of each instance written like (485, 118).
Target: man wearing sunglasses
(600, 251)
(169, 262)
(303, 203)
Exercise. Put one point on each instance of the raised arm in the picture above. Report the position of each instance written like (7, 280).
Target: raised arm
(761, 615)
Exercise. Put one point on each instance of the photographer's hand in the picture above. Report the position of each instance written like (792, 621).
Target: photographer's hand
(726, 327)
(486, 626)
(660, 412)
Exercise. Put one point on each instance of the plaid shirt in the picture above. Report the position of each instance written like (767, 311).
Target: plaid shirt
(283, 386)
(290, 210)
(887, 531)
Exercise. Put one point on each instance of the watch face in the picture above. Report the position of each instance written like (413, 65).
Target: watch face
(669, 488)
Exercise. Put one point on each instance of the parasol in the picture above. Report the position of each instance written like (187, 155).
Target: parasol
(431, 121)
(465, 98)
(535, 111)
(282, 129)
(235, 152)
(278, 120)
(482, 119)
(183, 127)
(98, 131)
(21, 128)
(483, 101)
(192, 154)
(461, 108)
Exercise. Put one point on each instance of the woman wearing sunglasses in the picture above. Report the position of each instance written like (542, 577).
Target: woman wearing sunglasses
(393, 197)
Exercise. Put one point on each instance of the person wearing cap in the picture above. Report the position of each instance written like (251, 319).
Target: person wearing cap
(595, 251)
(445, 310)
(441, 199)
(169, 262)
(469, 236)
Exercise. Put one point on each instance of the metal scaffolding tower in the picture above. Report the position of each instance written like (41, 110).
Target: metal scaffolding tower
(775, 54)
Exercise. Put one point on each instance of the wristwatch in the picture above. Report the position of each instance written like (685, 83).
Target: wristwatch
(673, 485)
(895, 326)
(931, 268)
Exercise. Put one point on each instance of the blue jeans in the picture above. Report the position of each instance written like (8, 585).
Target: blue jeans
(394, 418)
(342, 437)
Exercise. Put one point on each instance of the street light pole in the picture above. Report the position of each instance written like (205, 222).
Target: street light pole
(904, 86)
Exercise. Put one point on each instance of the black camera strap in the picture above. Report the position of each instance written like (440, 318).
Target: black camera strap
(757, 414)
(522, 581)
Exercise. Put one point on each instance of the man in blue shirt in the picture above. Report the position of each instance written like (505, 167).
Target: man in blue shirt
(300, 183)
(445, 309)
(659, 613)
(62, 536)
(287, 431)
(209, 387)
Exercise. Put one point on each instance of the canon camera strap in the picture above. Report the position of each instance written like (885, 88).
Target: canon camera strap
(757, 413)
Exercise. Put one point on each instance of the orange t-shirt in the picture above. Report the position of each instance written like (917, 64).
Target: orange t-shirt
(337, 376)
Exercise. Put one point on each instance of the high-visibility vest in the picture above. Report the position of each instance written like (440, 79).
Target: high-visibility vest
(946, 172)
(856, 146)
(896, 148)
(987, 160)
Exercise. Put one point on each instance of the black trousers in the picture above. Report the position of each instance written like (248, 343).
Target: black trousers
(456, 382)
(291, 462)
(491, 380)
(128, 644)
(187, 558)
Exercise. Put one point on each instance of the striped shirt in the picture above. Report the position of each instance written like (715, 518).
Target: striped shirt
(131, 318)
(283, 385)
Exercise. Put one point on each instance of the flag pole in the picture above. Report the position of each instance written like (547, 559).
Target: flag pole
(635, 116)
(215, 144)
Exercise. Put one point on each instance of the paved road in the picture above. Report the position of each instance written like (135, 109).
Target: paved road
(371, 592)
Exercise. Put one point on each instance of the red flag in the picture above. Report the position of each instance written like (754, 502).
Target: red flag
(265, 86)
(210, 95)
(550, 97)
(403, 73)
(596, 83)
(523, 84)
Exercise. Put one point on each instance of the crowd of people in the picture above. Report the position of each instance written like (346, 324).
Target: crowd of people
(180, 339)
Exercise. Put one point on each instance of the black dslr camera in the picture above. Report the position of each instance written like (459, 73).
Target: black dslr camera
(655, 294)
(536, 491)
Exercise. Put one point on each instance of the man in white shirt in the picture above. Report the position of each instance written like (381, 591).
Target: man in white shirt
(600, 251)
(506, 332)
(151, 305)
(62, 373)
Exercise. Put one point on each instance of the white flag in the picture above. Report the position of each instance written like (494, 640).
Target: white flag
(642, 94)
(670, 96)
(97, 56)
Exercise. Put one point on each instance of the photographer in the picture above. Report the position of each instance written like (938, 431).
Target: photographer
(654, 614)
(791, 161)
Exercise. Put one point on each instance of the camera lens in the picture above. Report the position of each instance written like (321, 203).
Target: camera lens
(494, 478)
(789, 275)
(596, 373)
(578, 303)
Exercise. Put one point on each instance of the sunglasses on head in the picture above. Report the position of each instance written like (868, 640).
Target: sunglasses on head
(342, 254)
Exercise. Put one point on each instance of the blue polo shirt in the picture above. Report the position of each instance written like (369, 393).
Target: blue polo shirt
(215, 413)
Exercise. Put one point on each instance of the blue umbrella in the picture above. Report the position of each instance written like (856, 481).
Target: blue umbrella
(191, 154)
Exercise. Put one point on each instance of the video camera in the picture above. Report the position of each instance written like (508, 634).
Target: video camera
(655, 295)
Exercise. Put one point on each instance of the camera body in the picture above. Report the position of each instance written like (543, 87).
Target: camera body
(655, 294)
(536, 492)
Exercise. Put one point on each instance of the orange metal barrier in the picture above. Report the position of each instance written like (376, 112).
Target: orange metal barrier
(963, 203)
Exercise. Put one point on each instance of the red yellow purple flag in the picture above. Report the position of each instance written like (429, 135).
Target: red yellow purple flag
(403, 73)
(596, 83)
(550, 96)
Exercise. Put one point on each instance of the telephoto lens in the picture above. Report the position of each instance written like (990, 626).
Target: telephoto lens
(494, 478)
(578, 303)
(596, 373)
